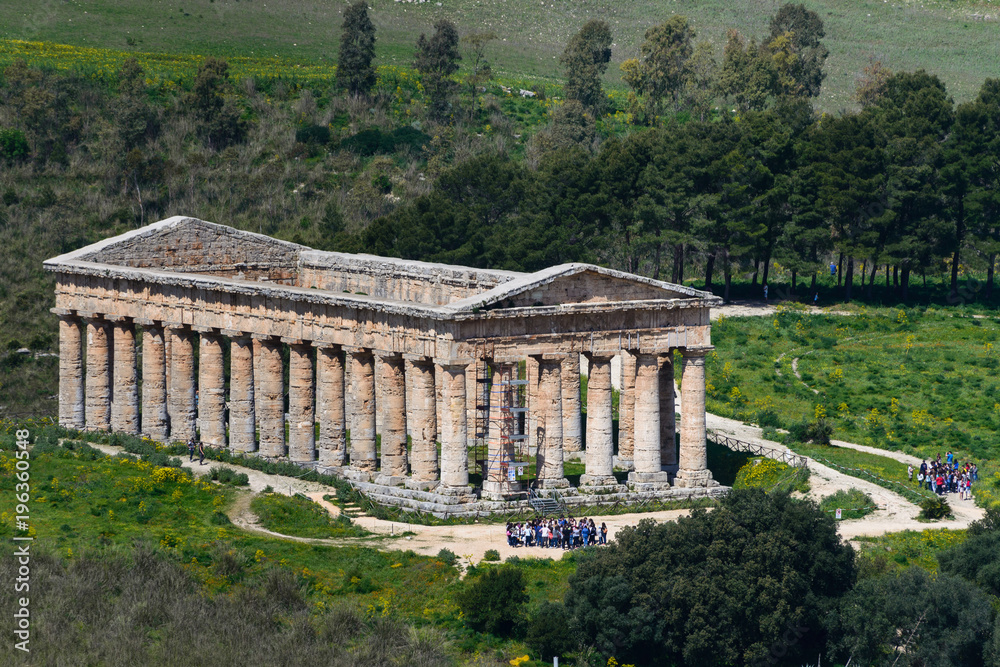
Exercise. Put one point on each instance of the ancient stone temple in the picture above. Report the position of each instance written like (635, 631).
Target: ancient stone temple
(403, 376)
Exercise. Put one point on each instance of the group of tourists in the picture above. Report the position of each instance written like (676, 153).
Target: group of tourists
(947, 476)
(555, 533)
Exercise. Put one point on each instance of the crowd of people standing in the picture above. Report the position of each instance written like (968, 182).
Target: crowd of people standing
(947, 476)
(565, 533)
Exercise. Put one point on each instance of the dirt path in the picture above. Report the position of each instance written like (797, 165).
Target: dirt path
(751, 308)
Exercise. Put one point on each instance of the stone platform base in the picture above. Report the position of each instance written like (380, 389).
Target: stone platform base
(446, 502)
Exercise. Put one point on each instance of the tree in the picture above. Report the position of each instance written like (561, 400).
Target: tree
(572, 125)
(978, 127)
(799, 31)
(699, 88)
(663, 69)
(218, 116)
(586, 59)
(750, 580)
(355, 71)
(749, 76)
(436, 60)
(869, 85)
(481, 71)
(494, 601)
(911, 619)
(135, 118)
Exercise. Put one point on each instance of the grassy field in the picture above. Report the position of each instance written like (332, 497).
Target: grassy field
(954, 39)
(920, 381)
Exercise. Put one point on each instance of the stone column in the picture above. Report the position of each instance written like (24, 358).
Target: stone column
(154, 382)
(71, 407)
(572, 417)
(454, 428)
(181, 400)
(211, 389)
(668, 412)
(693, 464)
(600, 446)
(242, 404)
(648, 474)
(393, 409)
(362, 417)
(422, 420)
(271, 397)
(531, 394)
(125, 393)
(626, 411)
(549, 458)
(330, 405)
(98, 396)
(301, 412)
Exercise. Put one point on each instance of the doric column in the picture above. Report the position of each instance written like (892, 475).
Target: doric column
(271, 397)
(668, 412)
(211, 389)
(626, 411)
(362, 417)
(98, 395)
(125, 387)
(242, 403)
(600, 445)
(549, 458)
(572, 417)
(693, 464)
(422, 420)
(454, 427)
(647, 424)
(330, 405)
(71, 408)
(393, 409)
(301, 412)
(531, 375)
(182, 407)
(154, 382)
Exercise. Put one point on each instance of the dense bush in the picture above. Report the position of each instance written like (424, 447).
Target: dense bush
(13, 145)
(818, 431)
(715, 588)
(854, 503)
(943, 621)
(934, 508)
(226, 475)
(494, 600)
(550, 631)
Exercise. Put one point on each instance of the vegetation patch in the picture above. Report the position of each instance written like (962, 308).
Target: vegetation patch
(301, 517)
(852, 503)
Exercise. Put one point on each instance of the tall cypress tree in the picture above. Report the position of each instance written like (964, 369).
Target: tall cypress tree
(586, 59)
(355, 70)
(436, 60)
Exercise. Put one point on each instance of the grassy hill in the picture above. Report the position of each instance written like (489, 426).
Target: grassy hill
(956, 39)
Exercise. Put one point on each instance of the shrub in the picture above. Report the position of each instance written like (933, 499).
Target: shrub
(854, 503)
(549, 632)
(313, 134)
(934, 508)
(220, 519)
(225, 475)
(494, 601)
(818, 432)
(448, 557)
(13, 145)
(491, 555)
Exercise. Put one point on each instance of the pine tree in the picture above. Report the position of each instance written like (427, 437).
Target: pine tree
(436, 60)
(355, 70)
(586, 59)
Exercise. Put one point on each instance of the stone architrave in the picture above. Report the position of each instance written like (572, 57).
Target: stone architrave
(211, 389)
(125, 392)
(668, 413)
(572, 416)
(693, 461)
(362, 418)
(454, 429)
(271, 399)
(626, 411)
(422, 421)
(301, 410)
(648, 469)
(600, 445)
(330, 409)
(393, 409)
(242, 403)
(71, 407)
(154, 382)
(549, 458)
(98, 395)
(181, 400)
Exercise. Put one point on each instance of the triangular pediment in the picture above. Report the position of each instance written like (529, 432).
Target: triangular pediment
(576, 283)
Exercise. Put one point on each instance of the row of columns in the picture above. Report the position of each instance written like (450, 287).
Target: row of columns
(180, 402)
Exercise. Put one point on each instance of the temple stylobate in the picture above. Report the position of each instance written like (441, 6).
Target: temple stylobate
(409, 378)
